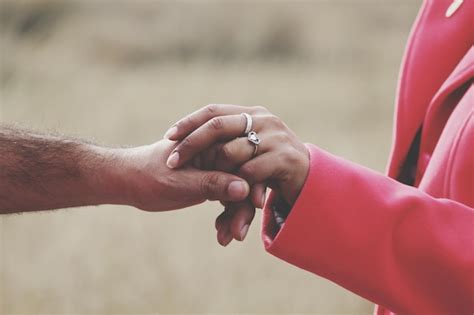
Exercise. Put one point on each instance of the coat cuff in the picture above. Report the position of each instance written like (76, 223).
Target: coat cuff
(279, 222)
(312, 221)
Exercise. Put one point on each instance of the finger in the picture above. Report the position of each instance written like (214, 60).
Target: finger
(214, 185)
(224, 235)
(262, 168)
(217, 129)
(224, 128)
(257, 195)
(224, 216)
(188, 124)
(227, 157)
(242, 216)
(233, 154)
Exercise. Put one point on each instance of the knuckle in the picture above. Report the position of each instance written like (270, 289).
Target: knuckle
(290, 157)
(260, 109)
(187, 122)
(211, 108)
(282, 164)
(216, 123)
(274, 120)
(209, 185)
(282, 137)
(226, 152)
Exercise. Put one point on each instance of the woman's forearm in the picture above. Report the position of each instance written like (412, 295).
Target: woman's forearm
(388, 242)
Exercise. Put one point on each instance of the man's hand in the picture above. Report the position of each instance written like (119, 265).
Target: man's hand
(155, 187)
(41, 172)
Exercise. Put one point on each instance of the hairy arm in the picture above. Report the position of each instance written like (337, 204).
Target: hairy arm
(41, 171)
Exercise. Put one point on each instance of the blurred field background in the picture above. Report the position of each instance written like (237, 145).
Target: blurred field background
(121, 72)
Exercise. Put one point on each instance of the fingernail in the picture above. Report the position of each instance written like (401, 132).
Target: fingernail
(264, 197)
(173, 160)
(227, 240)
(237, 190)
(171, 133)
(243, 232)
(225, 237)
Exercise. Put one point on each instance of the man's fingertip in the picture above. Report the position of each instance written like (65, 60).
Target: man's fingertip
(238, 190)
(173, 160)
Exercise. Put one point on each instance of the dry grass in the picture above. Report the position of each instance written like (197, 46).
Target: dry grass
(121, 72)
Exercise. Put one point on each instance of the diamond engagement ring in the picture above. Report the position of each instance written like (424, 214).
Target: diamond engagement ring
(253, 138)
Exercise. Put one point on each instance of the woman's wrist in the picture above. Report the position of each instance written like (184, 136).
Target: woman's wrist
(298, 171)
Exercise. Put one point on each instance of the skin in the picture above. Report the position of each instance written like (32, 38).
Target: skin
(211, 138)
(42, 172)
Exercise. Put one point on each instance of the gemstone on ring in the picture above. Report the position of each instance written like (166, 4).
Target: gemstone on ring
(253, 137)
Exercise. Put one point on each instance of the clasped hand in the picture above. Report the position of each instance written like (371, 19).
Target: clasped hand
(213, 138)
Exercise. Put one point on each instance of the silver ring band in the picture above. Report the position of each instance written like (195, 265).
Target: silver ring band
(255, 151)
(249, 125)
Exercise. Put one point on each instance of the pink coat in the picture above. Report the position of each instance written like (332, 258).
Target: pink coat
(407, 247)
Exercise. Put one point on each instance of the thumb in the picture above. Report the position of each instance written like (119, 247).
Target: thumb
(214, 185)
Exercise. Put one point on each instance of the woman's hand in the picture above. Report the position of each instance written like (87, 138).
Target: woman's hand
(281, 161)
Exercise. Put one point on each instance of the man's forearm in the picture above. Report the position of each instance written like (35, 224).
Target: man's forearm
(39, 172)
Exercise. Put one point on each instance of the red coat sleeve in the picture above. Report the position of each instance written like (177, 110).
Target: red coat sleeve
(390, 243)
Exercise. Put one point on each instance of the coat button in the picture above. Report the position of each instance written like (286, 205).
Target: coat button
(453, 8)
